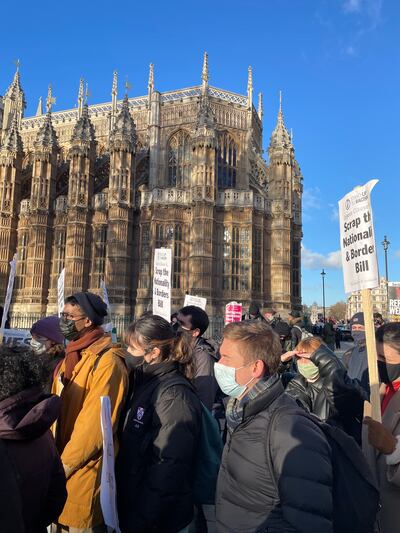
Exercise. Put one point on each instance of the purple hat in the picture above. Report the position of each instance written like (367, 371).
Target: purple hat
(48, 327)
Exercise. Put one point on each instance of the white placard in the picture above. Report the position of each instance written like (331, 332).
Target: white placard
(108, 326)
(162, 283)
(60, 291)
(357, 239)
(108, 493)
(7, 302)
(198, 301)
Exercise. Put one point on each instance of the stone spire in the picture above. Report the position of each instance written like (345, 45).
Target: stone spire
(46, 137)
(150, 84)
(12, 142)
(205, 74)
(80, 98)
(114, 92)
(15, 90)
(124, 131)
(260, 106)
(13, 103)
(83, 129)
(249, 87)
(50, 100)
(280, 138)
(39, 110)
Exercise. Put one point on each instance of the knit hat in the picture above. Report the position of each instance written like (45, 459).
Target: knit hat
(295, 314)
(357, 318)
(92, 305)
(49, 328)
(253, 309)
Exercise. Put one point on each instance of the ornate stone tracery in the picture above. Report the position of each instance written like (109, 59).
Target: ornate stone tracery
(96, 188)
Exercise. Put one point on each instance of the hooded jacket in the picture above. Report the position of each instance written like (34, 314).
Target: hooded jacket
(333, 397)
(101, 371)
(34, 480)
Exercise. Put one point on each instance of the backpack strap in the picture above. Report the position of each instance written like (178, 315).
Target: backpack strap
(99, 355)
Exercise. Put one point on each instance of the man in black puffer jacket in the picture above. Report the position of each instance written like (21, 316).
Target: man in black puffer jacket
(326, 390)
(276, 471)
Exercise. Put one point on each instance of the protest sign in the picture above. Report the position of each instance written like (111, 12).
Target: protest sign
(357, 239)
(108, 494)
(233, 312)
(60, 291)
(197, 301)
(108, 326)
(162, 283)
(360, 270)
(10, 286)
(394, 301)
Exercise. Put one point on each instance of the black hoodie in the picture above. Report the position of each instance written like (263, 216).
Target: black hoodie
(34, 480)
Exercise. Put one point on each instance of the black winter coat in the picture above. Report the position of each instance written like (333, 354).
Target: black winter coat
(334, 397)
(248, 498)
(32, 480)
(204, 356)
(158, 447)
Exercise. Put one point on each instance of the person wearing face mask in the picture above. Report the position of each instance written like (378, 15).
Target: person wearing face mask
(276, 471)
(323, 387)
(160, 434)
(193, 322)
(48, 343)
(355, 359)
(93, 367)
(381, 443)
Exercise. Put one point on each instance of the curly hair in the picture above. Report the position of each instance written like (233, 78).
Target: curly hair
(20, 369)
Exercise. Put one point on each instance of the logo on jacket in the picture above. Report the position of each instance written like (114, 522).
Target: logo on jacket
(140, 413)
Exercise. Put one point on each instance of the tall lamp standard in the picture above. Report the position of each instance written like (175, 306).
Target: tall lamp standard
(323, 274)
(385, 244)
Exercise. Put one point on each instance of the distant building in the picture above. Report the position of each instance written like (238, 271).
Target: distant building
(317, 313)
(379, 300)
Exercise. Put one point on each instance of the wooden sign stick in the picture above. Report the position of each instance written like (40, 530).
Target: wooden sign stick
(371, 354)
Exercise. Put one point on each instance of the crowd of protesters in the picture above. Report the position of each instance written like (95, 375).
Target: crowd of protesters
(298, 453)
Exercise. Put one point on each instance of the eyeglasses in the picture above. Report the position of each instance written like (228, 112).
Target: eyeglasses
(68, 316)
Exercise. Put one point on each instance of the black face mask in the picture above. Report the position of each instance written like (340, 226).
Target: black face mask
(387, 372)
(68, 329)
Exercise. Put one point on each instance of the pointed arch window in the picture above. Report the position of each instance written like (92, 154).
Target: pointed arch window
(226, 162)
(179, 160)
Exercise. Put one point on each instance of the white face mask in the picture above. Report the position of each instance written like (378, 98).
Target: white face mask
(226, 379)
(37, 346)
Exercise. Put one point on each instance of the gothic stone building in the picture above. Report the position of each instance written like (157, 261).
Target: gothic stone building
(97, 188)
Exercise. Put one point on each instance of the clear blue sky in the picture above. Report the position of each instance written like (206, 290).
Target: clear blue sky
(336, 61)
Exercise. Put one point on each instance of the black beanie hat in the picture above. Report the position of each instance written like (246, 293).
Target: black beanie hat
(92, 305)
(253, 309)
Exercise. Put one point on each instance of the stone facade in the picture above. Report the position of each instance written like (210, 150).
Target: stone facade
(96, 188)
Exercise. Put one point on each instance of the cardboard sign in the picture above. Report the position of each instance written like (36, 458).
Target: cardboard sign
(197, 301)
(357, 239)
(108, 493)
(60, 291)
(10, 286)
(162, 283)
(233, 312)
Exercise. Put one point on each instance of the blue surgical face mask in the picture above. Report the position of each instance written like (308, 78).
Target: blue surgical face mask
(226, 379)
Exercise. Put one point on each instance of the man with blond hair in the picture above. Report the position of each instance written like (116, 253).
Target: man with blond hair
(276, 471)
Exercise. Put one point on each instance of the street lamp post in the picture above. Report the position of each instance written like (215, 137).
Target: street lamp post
(323, 274)
(385, 244)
